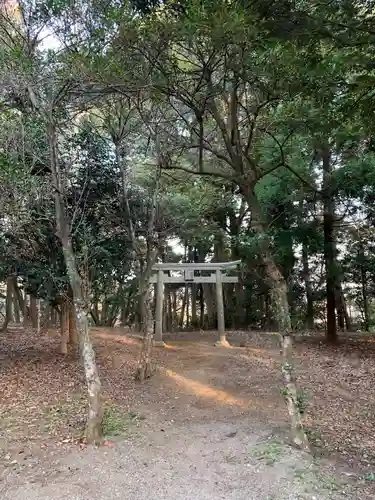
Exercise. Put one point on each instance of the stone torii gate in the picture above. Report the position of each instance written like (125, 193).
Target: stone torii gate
(214, 272)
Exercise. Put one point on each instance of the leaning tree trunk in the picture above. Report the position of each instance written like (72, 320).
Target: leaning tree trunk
(93, 431)
(280, 309)
(279, 295)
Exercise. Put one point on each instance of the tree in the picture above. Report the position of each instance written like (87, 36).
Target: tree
(46, 99)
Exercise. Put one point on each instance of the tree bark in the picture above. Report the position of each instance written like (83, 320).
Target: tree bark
(64, 327)
(144, 368)
(329, 246)
(194, 320)
(201, 307)
(17, 315)
(35, 312)
(290, 393)
(8, 304)
(210, 304)
(183, 307)
(73, 336)
(366, 315)
(343, 318)
(53, 317)
(25, 311)
(93, 432)
(308, 288)
(187, 293)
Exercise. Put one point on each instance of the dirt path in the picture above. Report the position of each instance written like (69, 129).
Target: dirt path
(210, 424)
(215, 460)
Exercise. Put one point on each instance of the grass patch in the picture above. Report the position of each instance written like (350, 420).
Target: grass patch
(318, 480)
(117, 423)
(270, 452)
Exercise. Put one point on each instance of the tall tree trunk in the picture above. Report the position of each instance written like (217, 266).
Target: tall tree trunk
(308, 288)
(280, 307)
(73, 336)
(35, 312)
(365, 300)
(143, 263)
(343, 319)
(25, 311)
(183, 307)
(94, 419)
(64, 327)
(8, 304)
(104, 312)
(209, 298)
(174, 311)
(329, 246)
(53, 317)
(144, 368)
(201, 307)
(17, 315)
(18, 294)
(194, 319)
(187, 292)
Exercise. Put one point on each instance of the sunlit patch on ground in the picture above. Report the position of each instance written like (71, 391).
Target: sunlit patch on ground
(206, 391)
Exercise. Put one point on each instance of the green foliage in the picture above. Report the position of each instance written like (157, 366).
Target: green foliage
(292, 79)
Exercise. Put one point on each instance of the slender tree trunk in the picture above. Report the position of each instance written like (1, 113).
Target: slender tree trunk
(53, 317)
(169, 311)
(183, 307)
(194, 320)
(308, 288)
(73, 336)
(64, 327)
(25, 311)
(201, 308)
(18, 294)
(103, 316)
(8, 304)
(144, 367)
(94, 419)
(35, 312)
(187, 306)
(174, 311)
(290, 393)
(364, 289)
(46, 316)
(329, 246)
(280, 307)
(210, 304)
(17, 315)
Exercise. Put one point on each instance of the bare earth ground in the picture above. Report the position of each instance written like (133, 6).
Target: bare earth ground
(210, 424)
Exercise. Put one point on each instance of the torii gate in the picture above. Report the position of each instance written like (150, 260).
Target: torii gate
(187, 271)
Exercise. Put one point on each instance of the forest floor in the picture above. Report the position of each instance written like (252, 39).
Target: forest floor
(210, 424)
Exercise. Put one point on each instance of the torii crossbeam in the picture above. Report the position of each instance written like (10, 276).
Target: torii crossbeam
(189, 274)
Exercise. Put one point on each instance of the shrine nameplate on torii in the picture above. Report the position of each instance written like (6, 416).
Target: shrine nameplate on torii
(216, 274)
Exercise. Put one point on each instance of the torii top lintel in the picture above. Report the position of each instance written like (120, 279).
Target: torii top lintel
(197, 266)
